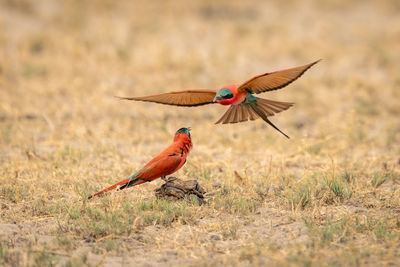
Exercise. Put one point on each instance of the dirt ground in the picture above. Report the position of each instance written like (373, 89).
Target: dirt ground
(329, 196)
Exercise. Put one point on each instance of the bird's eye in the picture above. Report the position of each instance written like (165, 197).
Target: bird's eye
(228, 96)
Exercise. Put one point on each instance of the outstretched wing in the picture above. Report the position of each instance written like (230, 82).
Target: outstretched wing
(189, 98)
(274, 80)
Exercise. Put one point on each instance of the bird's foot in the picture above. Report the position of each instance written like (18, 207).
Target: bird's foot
(164, 178)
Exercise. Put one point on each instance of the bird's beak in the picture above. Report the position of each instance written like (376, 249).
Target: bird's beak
(189, 128)
(217, 97)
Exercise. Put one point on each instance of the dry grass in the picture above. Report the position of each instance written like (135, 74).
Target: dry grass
(328, 196)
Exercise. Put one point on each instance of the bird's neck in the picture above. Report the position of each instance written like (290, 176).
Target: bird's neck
(185, 145)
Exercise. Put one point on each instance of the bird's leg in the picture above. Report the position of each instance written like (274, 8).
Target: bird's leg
(164, 178)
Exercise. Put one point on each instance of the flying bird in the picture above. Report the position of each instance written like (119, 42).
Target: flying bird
(167, 162)
(243, 104)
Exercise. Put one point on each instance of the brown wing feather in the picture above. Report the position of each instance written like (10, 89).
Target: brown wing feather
(274, 80)
(189, 98)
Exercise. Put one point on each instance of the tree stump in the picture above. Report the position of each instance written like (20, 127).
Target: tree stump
(175, 188)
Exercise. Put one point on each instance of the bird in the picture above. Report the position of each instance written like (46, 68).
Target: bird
(244, 105)
(167, 162)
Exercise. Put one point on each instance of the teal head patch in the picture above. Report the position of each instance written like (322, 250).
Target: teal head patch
(224, 94)
(184, 130)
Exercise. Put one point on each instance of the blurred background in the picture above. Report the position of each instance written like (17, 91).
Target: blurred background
(62, 63)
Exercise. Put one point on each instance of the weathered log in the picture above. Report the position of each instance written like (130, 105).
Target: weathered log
(175, 188)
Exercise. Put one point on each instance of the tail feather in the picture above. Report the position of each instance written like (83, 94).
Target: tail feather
(253, 108)
(263, 116)
(275, 106)
(122, 185)
(252, 115)
(224, 117)
(244, 113)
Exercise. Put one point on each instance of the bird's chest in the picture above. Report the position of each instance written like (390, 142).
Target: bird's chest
(239, 99)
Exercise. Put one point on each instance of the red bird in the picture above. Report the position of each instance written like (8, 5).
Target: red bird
(167, 162)
(243, 104)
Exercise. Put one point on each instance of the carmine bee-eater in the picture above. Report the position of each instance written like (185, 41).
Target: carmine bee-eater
(167, 162)
(243, 104)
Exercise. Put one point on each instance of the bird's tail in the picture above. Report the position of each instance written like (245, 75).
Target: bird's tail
(270, 107)
(122, 185)
(253, 108)
(263, 110)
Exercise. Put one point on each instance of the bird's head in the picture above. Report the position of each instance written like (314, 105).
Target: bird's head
(226, 95)
(183, 134)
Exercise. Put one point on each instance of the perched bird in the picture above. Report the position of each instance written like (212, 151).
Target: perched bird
(243, 104)
(167, 162)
